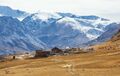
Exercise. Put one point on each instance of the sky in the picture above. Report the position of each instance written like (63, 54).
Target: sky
(104, 8)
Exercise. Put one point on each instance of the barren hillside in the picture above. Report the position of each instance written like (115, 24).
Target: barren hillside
(111, 45)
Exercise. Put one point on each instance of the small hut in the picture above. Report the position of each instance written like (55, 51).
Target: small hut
(41, 53)
(74, 51)
(87, 49)
(57, 51)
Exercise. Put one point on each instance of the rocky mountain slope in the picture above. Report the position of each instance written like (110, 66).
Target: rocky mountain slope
(13, 38)
(107, 35)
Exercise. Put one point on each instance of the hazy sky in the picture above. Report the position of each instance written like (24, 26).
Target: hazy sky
(105, 8)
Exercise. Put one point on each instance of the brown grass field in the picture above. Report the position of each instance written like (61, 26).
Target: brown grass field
(104, 61)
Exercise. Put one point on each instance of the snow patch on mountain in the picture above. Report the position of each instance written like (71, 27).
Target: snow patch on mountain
(44, 16)
(1, 15)
(67, 21)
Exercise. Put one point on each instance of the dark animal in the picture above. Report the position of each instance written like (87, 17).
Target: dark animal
(13, 57)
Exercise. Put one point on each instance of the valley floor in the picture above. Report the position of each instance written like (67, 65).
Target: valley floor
(85, 64)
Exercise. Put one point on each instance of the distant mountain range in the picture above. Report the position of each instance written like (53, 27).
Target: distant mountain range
(45, 30)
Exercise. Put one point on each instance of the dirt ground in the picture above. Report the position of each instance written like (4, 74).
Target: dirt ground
(86, 64)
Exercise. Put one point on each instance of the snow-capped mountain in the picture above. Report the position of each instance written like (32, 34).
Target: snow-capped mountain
(7, 11)
(54, 31)
(47, 30)
(63, 29)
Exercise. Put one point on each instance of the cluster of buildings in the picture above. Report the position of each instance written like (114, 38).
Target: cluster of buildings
(53, 52)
